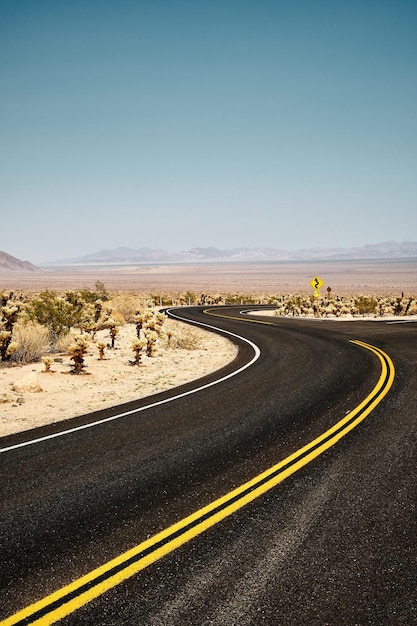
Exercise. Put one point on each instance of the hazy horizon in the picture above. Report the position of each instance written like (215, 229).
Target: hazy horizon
(195, 124)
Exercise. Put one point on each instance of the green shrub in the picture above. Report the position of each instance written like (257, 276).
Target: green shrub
(365, 304)
(58, 314)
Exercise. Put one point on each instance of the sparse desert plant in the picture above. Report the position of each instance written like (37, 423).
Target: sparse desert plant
(98, 307)
(62, 343)
(154, 322)
(151, 337)
(137, 347)
(9, 313)
(125, 304)
(47, 361)
(87, 322)
(32, 340)
(93, 296)
(77, 351)
(412, 308)
(101, 347)
(169, 334)
(101, 290)
(142, 318)
(113, 327)
(185, 340)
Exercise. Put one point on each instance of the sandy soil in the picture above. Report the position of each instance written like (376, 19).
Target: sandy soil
(30, 397)
(373, 277)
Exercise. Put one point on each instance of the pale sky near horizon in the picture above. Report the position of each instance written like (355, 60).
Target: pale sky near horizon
(175, 124)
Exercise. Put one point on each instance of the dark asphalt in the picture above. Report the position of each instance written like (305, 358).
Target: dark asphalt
(333, 544)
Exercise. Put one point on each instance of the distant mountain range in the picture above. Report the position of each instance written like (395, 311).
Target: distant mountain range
(9, 262)
(131, 256)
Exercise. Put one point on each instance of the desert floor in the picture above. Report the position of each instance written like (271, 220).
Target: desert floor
(31, 397)
(371, 277)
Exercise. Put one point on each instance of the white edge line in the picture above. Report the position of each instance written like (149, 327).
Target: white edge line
(150, 406)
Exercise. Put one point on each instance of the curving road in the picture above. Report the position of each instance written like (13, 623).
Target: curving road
(331, 542)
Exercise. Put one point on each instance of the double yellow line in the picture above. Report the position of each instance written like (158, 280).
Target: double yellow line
(80, 592)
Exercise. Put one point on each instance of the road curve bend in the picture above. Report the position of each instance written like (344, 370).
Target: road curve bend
(269, 496)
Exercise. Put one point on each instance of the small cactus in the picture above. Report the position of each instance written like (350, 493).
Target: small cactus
(77, 351)
(101, 347)
(113, 326)
(151, 337)
(9, 313)
(137, 346)
(47, 361)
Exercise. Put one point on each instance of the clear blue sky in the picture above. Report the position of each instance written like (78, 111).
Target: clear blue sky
(228, 123)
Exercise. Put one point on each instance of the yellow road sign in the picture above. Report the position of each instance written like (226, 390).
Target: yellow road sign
(317, 283)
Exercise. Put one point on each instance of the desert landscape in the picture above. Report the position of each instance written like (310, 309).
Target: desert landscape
(30, 396)
(372, 277)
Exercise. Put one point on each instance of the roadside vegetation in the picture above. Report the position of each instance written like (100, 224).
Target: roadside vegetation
(35, 327)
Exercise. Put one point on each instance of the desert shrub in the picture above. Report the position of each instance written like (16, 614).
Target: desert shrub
(185, 340)
(57, 313)
(76, 309)
(189, 297)
(92, 296)
(365, 304)
(87, 319)
(126, 305)
(62, 343)
(32, 340)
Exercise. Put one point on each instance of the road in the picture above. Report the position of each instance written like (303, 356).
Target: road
(334, 542)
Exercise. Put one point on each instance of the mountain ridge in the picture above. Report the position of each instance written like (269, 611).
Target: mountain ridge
(13, 264)
(126, 256)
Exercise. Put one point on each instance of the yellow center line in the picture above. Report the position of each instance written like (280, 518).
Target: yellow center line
(83, 590)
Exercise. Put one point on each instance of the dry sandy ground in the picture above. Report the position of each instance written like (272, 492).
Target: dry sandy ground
(373, 277)
(30, 397)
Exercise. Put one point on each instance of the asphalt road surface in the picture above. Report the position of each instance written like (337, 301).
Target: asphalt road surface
(333, 542)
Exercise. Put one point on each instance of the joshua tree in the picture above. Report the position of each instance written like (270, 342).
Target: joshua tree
(77, 351)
